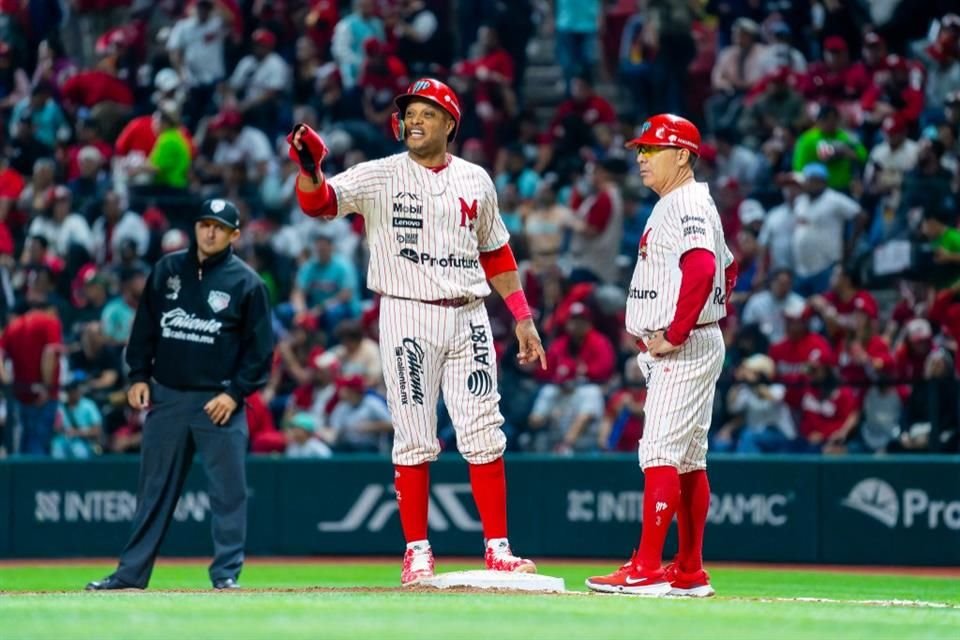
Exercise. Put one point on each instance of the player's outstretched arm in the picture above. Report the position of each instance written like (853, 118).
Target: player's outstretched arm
(500, 268)
(307, 150)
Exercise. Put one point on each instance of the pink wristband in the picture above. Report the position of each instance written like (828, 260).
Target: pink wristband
(517, 303)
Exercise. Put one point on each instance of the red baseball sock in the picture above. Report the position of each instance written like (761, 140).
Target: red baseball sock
(413, 497)
(661, 496)
(692, 518)
(489, 484)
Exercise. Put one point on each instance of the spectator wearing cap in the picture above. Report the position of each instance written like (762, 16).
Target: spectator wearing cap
(793, 352)
(24, 148)
(78, 425)
(891, 159)
(820, 240)
(33, 343)
(168, 85)
(761, 421)
(44, 112)
(115, 224)
(67, 232)
(829, 81)
(326, 286)
(829, 409)
(238, 143)
(895, 96)
(871, 68)
(259, 82)
(581, 350)
(349, 34)
(916, 343)
(598, 224)
(780, 52)
(928, 188)
(828, 144)
(291, 370)
(738, 68)
(196, 48)
(360, 421)
(778, 104)
(137, 140)
(118, 314)
(170, 158)
(382, 77)
(302, 439)
(776, 233)
(766, 308)
(941, 61)
(863, 356)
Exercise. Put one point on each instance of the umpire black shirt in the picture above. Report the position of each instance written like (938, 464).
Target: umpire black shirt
(202, 326)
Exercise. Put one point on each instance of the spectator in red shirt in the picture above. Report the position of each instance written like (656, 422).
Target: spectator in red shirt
(792, 354)
(576, 116)
(863, 356)
(33, 343)
(581, 349)
(622, 425)
(382, 76)
(838, 305)
(895, 96)
(911, 355)
(828, 410)
(598, 224)
(872, 67)
(830, 81)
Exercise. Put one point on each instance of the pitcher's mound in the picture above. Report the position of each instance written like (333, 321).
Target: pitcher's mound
(495, 580)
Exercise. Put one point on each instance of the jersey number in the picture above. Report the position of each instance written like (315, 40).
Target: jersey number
(468, 213)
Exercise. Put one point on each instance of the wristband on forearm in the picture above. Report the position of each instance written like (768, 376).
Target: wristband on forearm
(517, 303)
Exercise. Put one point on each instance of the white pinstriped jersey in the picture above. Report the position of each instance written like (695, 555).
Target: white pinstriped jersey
(684, 219)
(425, 229)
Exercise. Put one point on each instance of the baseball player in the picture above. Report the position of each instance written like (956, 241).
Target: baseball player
(677, 295)
(436, 238)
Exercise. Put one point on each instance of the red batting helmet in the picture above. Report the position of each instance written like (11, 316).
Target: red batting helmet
(434, 91)
(668, 130)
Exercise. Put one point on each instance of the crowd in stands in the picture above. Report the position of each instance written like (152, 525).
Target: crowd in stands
(831, 144)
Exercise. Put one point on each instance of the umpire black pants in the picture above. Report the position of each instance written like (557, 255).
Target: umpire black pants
(175, 429)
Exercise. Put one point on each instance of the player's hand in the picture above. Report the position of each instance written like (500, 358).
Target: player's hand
(220, 409)
(531, 349)
(138, 395)
(307, 149)
(659, 346)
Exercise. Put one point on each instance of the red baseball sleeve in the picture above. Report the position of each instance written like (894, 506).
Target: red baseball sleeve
(498, 261)
(321, 203)
(697, 267)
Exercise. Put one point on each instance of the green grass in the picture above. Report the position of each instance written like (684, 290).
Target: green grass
(739, 611)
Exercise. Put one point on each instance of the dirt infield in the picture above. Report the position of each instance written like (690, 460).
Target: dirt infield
(944, 572)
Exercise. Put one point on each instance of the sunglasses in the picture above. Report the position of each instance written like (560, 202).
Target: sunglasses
(648, 151)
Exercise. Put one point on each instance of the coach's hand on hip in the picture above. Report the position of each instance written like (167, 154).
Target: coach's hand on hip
(531, 349)
(138, 395)
(220, 409)
(659, 346)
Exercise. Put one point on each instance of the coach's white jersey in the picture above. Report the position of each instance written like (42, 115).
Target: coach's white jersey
(684, 219)
(425, 229)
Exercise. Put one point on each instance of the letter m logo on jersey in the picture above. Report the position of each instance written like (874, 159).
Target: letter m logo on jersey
(468, 213)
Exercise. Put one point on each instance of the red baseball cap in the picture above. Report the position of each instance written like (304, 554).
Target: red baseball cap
(835, 43)
(668, 130)
(264, 37)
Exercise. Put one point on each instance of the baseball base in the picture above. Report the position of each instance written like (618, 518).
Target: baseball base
(495, 580)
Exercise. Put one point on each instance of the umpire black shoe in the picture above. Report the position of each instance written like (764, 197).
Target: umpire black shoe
(225, 583)
(110, 583)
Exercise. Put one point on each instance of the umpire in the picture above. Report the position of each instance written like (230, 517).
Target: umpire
(201, 343)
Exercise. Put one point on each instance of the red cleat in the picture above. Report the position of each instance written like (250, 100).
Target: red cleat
(631, 579)
(417, 564)
(690, 585)
(499, 558)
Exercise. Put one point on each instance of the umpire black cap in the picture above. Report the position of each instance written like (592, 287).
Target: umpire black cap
(223, 211)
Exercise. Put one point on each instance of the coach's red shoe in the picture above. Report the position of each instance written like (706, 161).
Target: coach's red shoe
(690, 585)
(630, 578)
(499, 557)
(417, 564)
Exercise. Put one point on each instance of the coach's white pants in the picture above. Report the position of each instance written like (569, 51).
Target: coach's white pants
(426, 348)
(679, 407)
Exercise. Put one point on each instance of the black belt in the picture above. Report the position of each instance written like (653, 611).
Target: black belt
(451, 303)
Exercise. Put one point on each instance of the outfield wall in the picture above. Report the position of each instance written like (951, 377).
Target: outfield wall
(892, 510)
